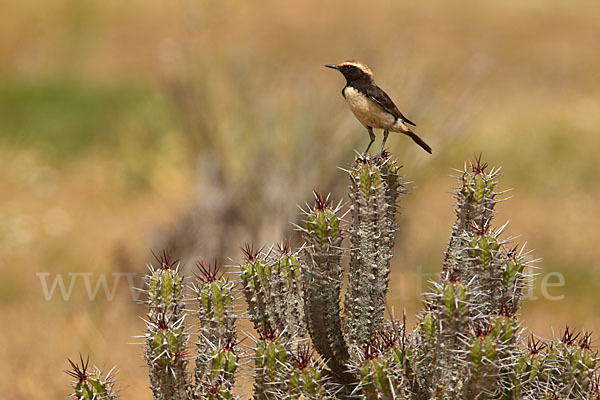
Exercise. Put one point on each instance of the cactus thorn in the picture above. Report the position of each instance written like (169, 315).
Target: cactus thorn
(79, 373)
(483, 227)
(569, 338)
(208, 273)
(535, 346)
(585, 342)
(477, 166)
(301, 358)
(388, 340)
(267, 333)
(164, 259)
(250, 253)
(480, 330)
(285, 247)
(320, 202)
(371, 348)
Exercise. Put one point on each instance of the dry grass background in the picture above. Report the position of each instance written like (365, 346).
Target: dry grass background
(127, 125)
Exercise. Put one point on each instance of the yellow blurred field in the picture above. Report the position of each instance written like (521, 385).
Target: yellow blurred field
(123, 125)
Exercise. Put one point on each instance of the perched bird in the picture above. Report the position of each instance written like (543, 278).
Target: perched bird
(371, 105)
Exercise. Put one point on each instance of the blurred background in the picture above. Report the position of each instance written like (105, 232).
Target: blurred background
(199, 125)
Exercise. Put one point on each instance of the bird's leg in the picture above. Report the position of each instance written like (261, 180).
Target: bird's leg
(372, 136)
(385, 135)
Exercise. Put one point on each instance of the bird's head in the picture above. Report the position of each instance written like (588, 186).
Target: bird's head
(353, 70)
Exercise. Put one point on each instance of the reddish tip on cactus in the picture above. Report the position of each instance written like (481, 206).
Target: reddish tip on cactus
(482, 227)
(371, 348)
(162, 323)
(586, 341)
(267, 333)
(213, 390)
(388, 340)
(477, 166)
(208, 273)
(285, 247)
(321, 203)
(512, 253)
(78, 373)
(165, 259)
(452, 276)
(301, 358)
(506, 310)
(481, 330)
(250, 253)
(535, 346)
(230, 341)
(569, 338)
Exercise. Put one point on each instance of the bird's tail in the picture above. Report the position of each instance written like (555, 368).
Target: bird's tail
(418, 141)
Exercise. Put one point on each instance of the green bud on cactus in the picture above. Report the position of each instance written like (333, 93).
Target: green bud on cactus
(479, 188)
(365, 180)
(490, 348)
(448, 300)
(476, 353)
(429, 324)
(269, 362)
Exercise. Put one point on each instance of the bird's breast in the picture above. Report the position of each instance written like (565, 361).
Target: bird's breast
(368, 112)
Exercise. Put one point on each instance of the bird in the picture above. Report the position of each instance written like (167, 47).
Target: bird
(372, 106)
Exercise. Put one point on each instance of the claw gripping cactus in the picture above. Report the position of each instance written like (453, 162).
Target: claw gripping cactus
(467, 343)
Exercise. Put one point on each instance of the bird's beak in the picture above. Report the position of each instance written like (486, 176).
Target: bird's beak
(333, 66)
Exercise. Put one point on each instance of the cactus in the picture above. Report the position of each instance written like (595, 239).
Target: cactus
(374, 190)
(467, 343)
(322, 281)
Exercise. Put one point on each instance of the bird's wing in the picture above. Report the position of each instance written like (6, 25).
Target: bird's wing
(380, 97)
